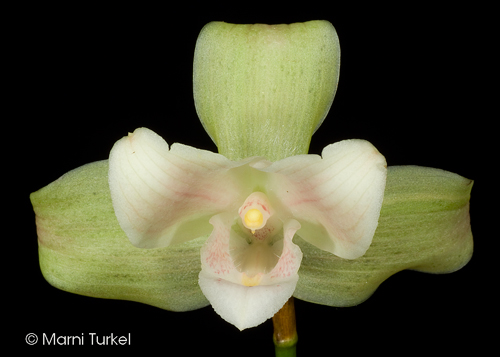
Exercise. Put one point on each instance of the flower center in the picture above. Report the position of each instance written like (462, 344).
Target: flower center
(253, 219)
(255, 211)
(257, 242)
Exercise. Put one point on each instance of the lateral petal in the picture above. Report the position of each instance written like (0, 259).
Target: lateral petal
(336, 198)
(163, 196)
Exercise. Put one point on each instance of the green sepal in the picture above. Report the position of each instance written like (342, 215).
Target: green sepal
(262, 90)
(83, 250)
(424, 225)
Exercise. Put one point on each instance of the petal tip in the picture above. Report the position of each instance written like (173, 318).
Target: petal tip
(245, 306)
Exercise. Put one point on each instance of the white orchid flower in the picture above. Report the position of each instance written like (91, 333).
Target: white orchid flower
(251, 208)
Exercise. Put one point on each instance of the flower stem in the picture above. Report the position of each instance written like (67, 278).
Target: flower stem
(285, 330)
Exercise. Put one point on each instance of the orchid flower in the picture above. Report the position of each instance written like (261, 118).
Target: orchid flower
(251, 207)
(260, 221)
(249, 263)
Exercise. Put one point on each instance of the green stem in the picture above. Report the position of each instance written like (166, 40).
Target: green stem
(285, 330)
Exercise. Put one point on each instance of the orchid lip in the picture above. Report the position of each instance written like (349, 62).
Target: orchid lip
(255, 254)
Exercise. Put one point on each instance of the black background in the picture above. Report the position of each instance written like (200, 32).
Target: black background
(85, 76)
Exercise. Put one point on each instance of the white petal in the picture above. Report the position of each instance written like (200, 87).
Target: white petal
(163, 196)
(336, 198)
(246, 306)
